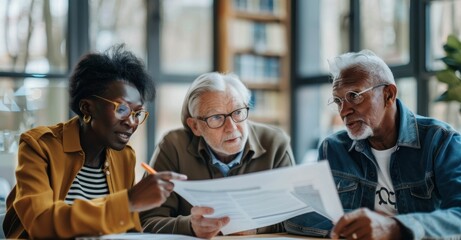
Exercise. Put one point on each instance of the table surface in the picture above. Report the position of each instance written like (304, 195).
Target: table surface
(266, 236)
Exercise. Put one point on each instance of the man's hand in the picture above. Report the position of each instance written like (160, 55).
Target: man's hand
(206, 227)
(366, 224)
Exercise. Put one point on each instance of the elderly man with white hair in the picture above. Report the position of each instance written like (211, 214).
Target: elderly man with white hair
(217, 141)
(398, 175)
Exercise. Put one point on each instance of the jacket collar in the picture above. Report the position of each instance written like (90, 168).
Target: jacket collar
(71, 135)
(254, 144)
(409, 137)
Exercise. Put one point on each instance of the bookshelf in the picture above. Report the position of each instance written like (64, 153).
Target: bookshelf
(253, 40)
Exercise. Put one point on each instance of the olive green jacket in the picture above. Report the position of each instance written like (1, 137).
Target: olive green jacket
(183, 152)
(49, 158)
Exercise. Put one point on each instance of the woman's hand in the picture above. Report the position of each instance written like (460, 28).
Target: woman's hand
(152, 190)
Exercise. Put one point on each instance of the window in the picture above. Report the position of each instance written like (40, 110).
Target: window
(384, 28)
(33, 67)
(323, 33)
(113, 22)
(186, 37)
(444, 19)
(445, 111)
(33, 36)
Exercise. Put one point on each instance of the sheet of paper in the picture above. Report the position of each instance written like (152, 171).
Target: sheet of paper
(264, 198)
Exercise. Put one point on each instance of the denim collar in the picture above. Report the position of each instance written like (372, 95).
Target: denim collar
(408, 131)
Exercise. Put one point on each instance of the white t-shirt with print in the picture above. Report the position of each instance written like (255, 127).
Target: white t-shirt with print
(385, 200)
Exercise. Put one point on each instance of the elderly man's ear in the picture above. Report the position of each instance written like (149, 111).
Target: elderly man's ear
(390, 94)
(192, 123)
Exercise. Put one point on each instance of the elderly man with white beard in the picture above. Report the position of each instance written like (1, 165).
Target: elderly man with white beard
(398, 175)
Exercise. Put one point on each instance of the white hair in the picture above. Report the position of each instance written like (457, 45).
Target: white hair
(365, 60)
(211, 82)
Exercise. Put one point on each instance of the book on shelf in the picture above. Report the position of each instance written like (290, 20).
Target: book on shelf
(263, 7)
(259, 37)
(257, 69)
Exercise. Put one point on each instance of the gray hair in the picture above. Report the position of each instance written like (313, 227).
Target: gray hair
(365, 60)
(211, 82)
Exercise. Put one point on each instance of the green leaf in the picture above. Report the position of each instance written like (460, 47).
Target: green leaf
(449, 77)
(449, 49)
(454, 93)
(457, 57)
(453, 42)
(450, 62)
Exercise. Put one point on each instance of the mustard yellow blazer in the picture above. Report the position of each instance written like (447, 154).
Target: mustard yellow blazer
(49, 158)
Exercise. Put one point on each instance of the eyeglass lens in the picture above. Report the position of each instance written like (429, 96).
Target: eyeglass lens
(216, 121)
(123, 111)
(351, 97)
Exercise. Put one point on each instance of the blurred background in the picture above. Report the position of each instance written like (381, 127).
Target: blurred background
(279, 48)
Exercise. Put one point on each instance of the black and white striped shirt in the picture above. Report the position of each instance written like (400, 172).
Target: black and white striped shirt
(89, 183)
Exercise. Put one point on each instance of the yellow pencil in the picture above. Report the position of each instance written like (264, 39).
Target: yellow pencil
(148, 168)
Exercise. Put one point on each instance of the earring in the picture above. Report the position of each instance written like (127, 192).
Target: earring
(86, 119)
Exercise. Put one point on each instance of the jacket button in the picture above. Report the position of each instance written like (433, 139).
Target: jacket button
(107, 172)
(122, 222)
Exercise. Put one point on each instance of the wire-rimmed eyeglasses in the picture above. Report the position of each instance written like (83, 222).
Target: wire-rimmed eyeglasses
(218, 120)
(122, 111)
(351, 97)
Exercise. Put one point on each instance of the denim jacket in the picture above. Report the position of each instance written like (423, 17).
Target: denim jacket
(425, 170)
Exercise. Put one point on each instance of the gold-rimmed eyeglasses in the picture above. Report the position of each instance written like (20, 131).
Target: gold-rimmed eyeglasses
(122, 111)
(351, 97)
(218, 120)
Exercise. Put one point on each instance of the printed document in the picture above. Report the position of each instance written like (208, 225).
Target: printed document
(264, 198)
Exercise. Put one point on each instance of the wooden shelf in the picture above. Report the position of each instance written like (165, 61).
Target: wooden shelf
(256, 52)
(258, 16)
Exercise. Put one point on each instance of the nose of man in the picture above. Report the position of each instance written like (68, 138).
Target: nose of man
(229, 124)
(345, 109)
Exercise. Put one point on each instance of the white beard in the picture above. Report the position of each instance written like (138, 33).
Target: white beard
(366, 133)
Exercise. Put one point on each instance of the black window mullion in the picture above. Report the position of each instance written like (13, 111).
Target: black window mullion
(418, 52)
(354, 31)
(78, 40)
(153, 64)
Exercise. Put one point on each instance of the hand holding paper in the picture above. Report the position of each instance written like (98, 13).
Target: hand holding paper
(264, 198)
(205, 227)
(152, 190)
